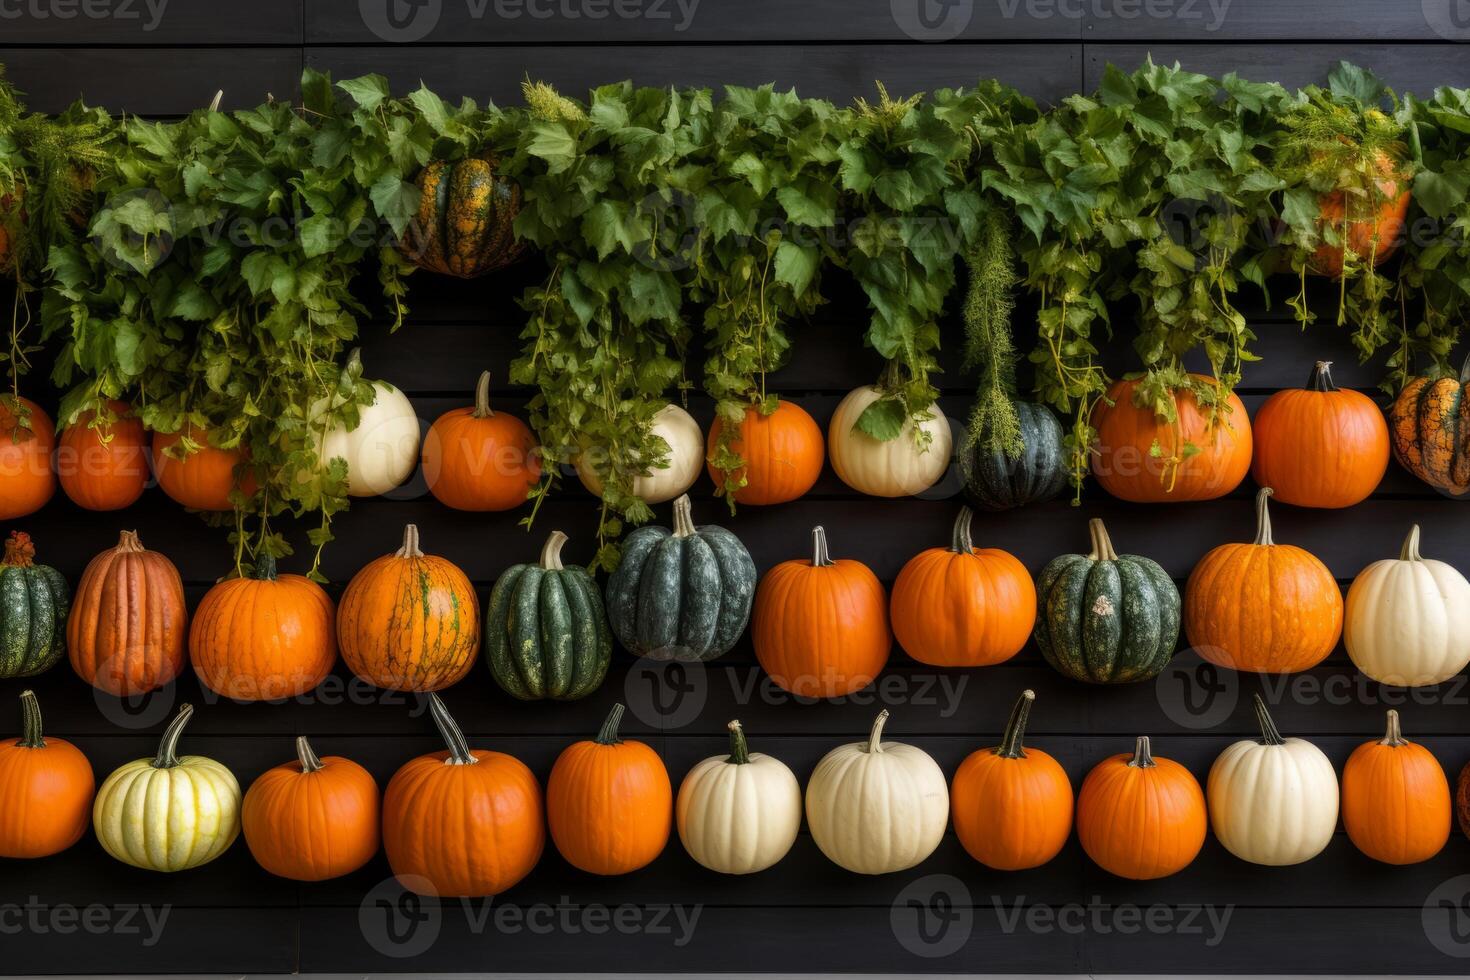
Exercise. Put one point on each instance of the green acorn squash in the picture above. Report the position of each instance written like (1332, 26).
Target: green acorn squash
(464, 223)
(546, 635)
(681, 595)
(34, 602)
(1106, 618)
(994, 481)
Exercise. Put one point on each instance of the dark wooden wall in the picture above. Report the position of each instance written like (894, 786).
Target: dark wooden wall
(1339, 913)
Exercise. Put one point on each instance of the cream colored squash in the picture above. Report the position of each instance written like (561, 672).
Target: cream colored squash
(171, 812)
(383, 450)
(876, 807)
(895, 468)
(686, 459)
(738, 813)
(1273, 800)
(1407, 620)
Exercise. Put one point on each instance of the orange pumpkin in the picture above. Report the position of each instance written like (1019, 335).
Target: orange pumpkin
(1011, 805)
(203, 479)
(263, 637)
(409, 621)
(1140, 817)
(1143, 458)
(480, 460)
(465, 823)
(46, 788)
(1262, 607)
(1320, 446)
(1395, 799)
(104, 467)
(312, 819)
(26, 440)
(128, 622)
(609, 802)
(963, 606)
(1430, 426)
(782, 453)
(820, 627)
(1373, 230)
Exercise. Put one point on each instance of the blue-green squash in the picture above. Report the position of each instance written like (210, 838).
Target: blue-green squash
(994, 481)
(546, 635)
(1106, 618)
(683, 594)
(34, 602)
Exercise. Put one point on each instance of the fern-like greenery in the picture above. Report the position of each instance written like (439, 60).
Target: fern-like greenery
(988, 342)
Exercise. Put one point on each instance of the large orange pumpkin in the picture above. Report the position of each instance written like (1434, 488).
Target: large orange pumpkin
(1263, 607)
(782, 454)
(609, 802)
(1320, 446)
(820, 627)
(203, 479)
(1140, 817)
(312, 819)
(481, 460)
(1143, 458)
(1430, 427)
(409, 621)
(1372, 230)
(128, 623)
(26, 440)
(104, 467)
(465, 823)
(46, 788)
(265, 636)
(963, 606)
(1012, 805)
(1395, 799)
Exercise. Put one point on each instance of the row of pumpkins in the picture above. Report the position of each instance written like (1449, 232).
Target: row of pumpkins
(1318, 447)
(472, 822)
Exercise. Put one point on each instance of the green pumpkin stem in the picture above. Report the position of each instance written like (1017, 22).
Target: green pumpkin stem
(683, 517)
(1269, 734)
(739, 751)
(960, 541)
(1410, 550)
(410, 546)
(1143, 756)
(30, 722)
(1263, 519)
(265, 569)
(608, 733)
(820, 556)
(551, 552)
(168, 746)
(1321, 377)
(482, 398)
(1102, 545)
(307, 756)
(875, 737)
(20, 552)
(459, 748)
(1010, 746)
(1393, 735)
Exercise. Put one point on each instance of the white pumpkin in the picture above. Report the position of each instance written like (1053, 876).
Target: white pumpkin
(895, 468)
(383, 450)
(686, 459)
(738, 813)
(1274, 800)
(876, 807)
(1407, 620)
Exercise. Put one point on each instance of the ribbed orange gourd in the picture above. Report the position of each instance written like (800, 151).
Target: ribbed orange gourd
(478, 459)
(312, 819)
(1395, 799)
(1372, 230)
(104, 467)
(609, 802)
(1263, 607)
(128, 623)
(1140, 817)
(46, 788)
(204, 478)
(26, 440)
(783, 454)
(464, 823)
(820, 627)
(1012, 806)
(265, 636)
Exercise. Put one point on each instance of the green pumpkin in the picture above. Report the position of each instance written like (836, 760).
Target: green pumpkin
(994, 481)
(681, 595)
(464, 223)
(1106, 618)
(34, 601)
(546, 635)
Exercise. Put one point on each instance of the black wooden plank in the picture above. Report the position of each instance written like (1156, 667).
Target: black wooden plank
(154, 22)
(1269, 20)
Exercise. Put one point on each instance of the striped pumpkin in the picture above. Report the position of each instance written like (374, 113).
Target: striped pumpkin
(128, 623)
(464, 223)
(1429, 434)
(34, 601)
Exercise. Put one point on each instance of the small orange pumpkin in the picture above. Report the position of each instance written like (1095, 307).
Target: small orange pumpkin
(26, 440)
(104, 467)
(46, 789)
(204, 478)
(782, 454)
(480, 460)
(1140, 817)
(1395, 799)
(128, 622)
(1373, 231)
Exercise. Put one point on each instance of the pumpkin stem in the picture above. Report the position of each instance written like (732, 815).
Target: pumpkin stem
(1410, 550)
(30, 722)
(1393, 735)
(307, 757)
(551, 552)
(128, 542)
(459, 748)
(875, 737)
(683, 517)
(608, 733)
(482, 398)
(1263, 519)
(1269, 734)
(410, 547)
(820, 557)
(168, 746)
(739, 751)
(1102, 545)
(1143, 756)
(1010, 746)
(19, 551)
(265, 569)
(961, 543)
(1321, 377)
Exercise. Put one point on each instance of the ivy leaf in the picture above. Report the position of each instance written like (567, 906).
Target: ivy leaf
(796, 265)
(883, 419)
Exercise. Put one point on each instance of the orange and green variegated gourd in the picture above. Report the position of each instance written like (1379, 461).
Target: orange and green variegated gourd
(464, 224)
(1430, 433)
